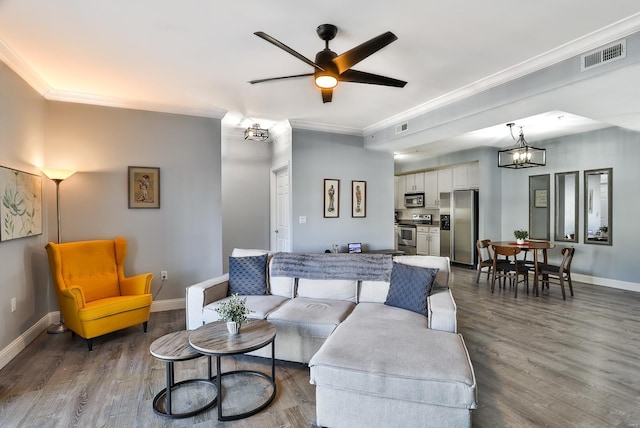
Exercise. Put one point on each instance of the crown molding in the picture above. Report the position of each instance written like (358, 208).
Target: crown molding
(22, 69)
(82, 98)
(324, 127)
(611, 33)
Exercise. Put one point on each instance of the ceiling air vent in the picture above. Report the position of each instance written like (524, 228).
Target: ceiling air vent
(604, 55)
(403, 127)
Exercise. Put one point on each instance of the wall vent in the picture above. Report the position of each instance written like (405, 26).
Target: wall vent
(604, 55)
(403, 127)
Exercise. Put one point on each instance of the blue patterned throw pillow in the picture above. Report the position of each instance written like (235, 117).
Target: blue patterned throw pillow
(248, 275)
(410, 286)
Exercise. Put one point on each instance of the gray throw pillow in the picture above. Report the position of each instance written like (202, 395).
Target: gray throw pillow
(248, 275)
(410, 286)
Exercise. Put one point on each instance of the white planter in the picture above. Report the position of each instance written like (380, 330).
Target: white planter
(519, 241)
(233, 327)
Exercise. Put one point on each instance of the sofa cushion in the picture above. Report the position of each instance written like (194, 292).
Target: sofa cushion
(396, 360)
(248, 275)
(260, 307)
(373, 291)
(335, 289)
(409, 287)
(281, 285)
(313, 317)
(441, 263)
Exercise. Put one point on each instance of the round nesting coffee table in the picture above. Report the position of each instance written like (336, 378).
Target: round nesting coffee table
(214, 340)
(170, 348)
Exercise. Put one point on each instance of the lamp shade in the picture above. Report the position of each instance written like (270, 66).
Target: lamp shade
(57, 173)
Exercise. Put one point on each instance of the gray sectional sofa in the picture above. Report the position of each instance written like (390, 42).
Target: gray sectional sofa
(372, 364)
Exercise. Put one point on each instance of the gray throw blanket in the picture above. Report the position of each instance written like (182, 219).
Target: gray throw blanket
(365, 267)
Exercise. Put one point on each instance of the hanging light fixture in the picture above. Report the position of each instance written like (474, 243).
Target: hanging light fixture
(521, 155)
(255, 133)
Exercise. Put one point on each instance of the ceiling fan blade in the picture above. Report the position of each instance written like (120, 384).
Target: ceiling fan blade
(360, 52)
(286, 48)
(356, 76)
(280, 78)
(327, 95)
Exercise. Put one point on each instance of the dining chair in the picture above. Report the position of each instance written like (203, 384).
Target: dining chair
(504, 269)
(562, 272)
(484, 249)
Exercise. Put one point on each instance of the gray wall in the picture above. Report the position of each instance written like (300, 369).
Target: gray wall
(23, 264)
(319, 155)
(183, 236)
(504, 198)
(246, 169)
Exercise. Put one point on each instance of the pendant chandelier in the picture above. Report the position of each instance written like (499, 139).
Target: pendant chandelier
(521, 155)
(255, 133)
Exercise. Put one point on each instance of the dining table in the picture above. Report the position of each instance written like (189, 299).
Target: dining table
(530, 245)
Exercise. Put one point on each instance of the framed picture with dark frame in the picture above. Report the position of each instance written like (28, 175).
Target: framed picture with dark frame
(358, 199)
(331, 198)
(144, 187)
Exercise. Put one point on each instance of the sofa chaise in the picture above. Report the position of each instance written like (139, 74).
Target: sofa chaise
(373, 364)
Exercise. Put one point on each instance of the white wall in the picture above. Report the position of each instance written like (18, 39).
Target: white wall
(319, 155)
(183, 236)
(23, 263)
(245, 192)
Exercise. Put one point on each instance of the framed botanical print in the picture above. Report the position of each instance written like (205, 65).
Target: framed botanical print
(358, 198)
(144, 187)
(21, 207)
(331, 198)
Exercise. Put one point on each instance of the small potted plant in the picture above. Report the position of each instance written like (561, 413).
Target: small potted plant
(520, 235)
(234, 312)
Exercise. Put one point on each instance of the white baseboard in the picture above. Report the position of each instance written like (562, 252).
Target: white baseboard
(606, 282)
(9, 353)
(167, 305)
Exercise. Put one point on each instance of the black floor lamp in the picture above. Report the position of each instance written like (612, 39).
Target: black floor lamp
(57, 176)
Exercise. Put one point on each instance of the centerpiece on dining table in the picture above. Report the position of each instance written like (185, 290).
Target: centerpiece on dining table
(520, 235)
(234, 312)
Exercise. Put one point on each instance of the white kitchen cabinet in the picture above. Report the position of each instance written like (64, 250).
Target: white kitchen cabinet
(445, 181)
(431, 194)
(465, 176)
(428, 241)
(401, 185)
(415, 182)
(422, 241)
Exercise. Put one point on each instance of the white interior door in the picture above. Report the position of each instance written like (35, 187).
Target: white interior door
(281, 232)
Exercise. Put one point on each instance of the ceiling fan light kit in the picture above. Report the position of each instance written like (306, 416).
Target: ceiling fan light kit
(331, 68)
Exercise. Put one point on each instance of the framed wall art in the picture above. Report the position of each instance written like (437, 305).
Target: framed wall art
(144, 187)
(358, 199)
(331, 198)
(541, 198)
(21, 208)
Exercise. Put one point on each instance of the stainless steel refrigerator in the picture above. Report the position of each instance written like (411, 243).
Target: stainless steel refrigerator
(459, 226)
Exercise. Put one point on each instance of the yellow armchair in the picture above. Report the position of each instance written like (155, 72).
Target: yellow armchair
(94, 296)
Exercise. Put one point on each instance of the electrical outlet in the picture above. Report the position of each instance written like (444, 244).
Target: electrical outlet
(163, 275)
(13, 304)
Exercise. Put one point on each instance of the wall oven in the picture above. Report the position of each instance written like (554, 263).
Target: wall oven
(407, 238)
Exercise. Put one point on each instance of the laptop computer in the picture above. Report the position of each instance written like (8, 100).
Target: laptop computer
(355, 247)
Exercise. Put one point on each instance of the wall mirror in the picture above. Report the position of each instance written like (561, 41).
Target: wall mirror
(566, 207)
(598, 186)
(539, 207)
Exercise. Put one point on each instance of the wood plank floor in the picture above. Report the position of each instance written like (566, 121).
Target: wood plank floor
(538, 362)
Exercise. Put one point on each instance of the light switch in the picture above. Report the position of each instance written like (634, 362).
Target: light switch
(302, 219)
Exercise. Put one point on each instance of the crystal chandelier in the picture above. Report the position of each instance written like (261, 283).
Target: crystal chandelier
(255, 133)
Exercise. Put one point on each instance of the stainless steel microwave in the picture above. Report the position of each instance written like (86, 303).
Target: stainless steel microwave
(414, 200)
